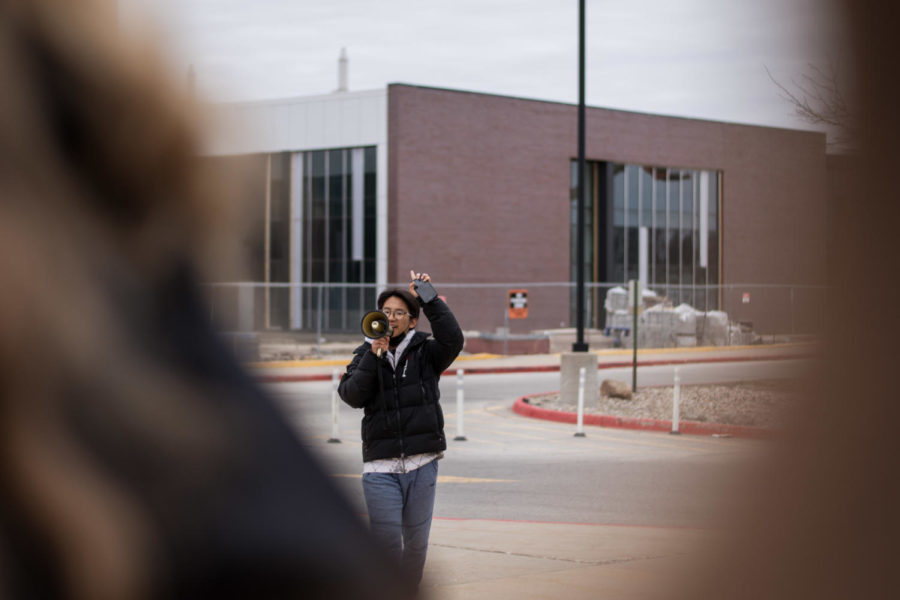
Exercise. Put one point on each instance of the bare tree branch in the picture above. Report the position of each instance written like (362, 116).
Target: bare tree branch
(818, 98)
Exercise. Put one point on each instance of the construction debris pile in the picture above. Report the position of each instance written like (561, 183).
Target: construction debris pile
(660, 325)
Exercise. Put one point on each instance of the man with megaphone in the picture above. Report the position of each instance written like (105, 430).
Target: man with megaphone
(394, 377)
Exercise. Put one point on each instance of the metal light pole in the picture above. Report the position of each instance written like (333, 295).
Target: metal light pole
(579, 360)
(580, 345)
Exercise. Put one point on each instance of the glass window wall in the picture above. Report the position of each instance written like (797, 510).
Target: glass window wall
(337, 230)
(662, 230)
(279, 236)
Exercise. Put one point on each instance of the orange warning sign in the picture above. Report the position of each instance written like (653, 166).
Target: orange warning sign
(518, 304)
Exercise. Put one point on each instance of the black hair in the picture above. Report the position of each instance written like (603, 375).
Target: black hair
(412, 304)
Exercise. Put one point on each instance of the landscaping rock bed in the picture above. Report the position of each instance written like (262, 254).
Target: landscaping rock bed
(756, 404)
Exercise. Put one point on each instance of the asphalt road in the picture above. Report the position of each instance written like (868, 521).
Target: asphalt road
(512, 467)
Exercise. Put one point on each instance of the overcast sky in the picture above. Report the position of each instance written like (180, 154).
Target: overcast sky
(693, 58)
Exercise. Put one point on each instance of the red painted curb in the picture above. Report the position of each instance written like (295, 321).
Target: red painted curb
(576, 523)
(522, 407)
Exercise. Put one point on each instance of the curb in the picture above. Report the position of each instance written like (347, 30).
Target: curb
(525, 409)
(339, 362)
(641, 363)
(552, 368)
(292, 378)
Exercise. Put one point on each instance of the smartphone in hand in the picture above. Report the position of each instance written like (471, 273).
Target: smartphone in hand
(425, 290)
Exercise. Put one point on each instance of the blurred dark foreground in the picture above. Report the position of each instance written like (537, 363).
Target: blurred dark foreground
(138, 460)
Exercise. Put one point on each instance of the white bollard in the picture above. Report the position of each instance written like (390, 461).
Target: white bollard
(579, 428)
(460, 435)
(335, 407)
(676, 399)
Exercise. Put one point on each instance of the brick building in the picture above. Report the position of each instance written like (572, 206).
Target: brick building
(356, 188)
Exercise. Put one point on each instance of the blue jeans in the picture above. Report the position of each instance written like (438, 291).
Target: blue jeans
(400, 509)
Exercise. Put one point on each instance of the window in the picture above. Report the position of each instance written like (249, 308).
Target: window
(337, 229)
(662, 229)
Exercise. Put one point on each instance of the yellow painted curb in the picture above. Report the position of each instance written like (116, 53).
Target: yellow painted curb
(482, 356)
(281, 364)
(628, 352)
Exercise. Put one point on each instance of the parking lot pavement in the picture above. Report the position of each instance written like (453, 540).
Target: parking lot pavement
(489, 540)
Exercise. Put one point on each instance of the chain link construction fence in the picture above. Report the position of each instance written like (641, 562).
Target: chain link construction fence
(748, 312)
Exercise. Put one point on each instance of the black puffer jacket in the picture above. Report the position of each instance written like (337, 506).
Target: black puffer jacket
(406, 418)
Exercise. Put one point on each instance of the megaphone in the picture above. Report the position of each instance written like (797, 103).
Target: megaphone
(375, 325)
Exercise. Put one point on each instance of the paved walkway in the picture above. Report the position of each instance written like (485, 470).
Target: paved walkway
(475, 559)
(486, 560)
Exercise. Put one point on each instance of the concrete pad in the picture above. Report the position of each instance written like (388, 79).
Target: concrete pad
(475, 559)
(570, 365)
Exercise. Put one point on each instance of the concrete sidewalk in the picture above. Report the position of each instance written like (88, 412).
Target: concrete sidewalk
(484, 559)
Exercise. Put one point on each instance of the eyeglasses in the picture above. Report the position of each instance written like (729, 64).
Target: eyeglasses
(396, 313)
